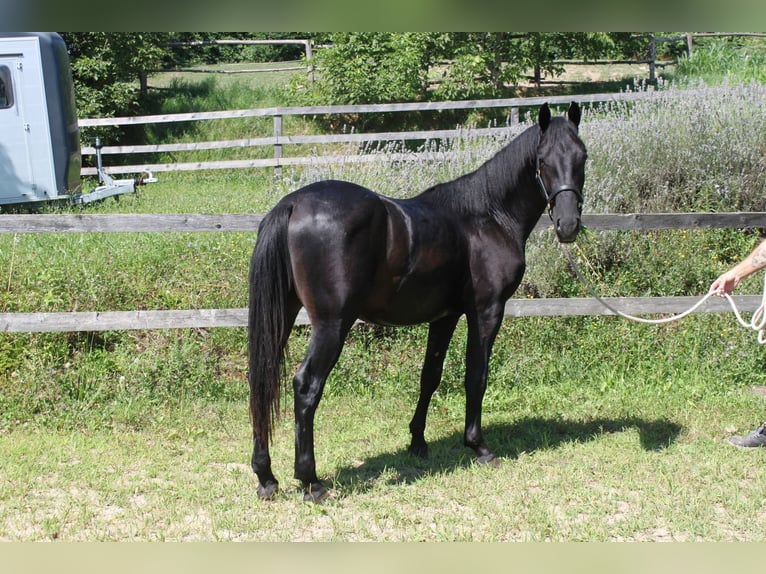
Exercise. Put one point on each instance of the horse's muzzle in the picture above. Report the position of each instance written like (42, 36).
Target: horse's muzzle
(566, 213)
(567, 229)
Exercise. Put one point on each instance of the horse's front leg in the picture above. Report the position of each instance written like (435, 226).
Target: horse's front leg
(439, 336)
(482, 330)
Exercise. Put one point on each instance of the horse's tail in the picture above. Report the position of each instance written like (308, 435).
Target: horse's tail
(268, 328)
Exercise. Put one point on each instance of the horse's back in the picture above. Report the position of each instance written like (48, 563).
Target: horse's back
(330, 190)
(330, 207)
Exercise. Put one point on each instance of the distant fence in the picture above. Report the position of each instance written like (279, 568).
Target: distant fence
(308, 48)
(651, 58)
(279, 139)
(209, 318)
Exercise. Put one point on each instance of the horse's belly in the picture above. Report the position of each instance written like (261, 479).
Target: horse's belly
(411, 305)
(399, 318)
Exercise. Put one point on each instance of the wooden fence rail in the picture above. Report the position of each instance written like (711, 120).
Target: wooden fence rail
(278, 140)
(209, 318)
(363, 109)
(140, 222)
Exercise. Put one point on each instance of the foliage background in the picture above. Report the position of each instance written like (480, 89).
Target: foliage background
(367, 67)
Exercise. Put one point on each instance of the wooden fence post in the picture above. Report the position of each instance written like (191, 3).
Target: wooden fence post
(309, 57)
(278, 146)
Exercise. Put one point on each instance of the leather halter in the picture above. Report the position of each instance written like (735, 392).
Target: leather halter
(550, 198)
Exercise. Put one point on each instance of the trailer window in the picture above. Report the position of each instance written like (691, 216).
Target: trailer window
(6, 89)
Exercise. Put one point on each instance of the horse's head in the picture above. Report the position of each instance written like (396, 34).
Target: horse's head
(560, 170)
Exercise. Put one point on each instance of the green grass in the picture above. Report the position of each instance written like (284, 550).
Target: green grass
(274, 80)
(743, 61)
(608, 430)
(592, 450)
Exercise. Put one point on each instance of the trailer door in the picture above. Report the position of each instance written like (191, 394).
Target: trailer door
(26, 158)
(16, 177)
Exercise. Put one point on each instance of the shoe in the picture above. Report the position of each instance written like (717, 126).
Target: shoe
(752, 439)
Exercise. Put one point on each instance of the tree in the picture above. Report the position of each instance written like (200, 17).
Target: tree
(106, 67)
(371, 67)
(489, 64)
(479, 65)
(388, 67)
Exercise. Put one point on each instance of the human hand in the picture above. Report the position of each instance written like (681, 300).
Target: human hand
(726, 283)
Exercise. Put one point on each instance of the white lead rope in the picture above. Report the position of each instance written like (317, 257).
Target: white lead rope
(757, 322)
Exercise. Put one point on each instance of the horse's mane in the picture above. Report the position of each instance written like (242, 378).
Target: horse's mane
(484, 190)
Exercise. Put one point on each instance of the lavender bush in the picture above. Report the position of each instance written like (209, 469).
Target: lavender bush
(702, 148)
(679, 150)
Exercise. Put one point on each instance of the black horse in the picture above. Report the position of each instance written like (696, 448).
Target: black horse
(345, 253)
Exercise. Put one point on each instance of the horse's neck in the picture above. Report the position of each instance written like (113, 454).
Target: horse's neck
(510, 174)
(503, 189)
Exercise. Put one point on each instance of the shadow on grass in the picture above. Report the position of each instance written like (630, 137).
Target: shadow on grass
(509, 441)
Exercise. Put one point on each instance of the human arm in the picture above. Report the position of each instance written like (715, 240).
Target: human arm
(729, 280)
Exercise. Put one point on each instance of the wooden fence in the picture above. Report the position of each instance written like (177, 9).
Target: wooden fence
(308, 48)
(208, 318)
(650, 59)
(278, 140)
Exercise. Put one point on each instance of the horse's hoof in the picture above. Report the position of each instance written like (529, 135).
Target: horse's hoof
(316, 493)
(420, 451)
(268, 491)
(489, 459)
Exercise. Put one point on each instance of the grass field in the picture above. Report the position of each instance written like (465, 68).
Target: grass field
(608, 430)
(598, 450)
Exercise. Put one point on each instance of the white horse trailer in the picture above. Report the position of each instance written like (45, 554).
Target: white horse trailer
(40, 157)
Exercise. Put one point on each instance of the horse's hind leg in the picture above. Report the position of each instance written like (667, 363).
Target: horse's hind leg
(261, 464)
(439, 336)
(261, 459)
(324, 350)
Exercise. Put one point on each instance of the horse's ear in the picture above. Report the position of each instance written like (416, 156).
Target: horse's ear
(544, 117)
(574, 113)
